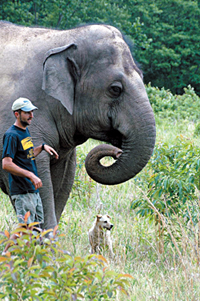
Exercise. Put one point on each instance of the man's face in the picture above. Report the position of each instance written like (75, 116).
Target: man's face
(25, 118)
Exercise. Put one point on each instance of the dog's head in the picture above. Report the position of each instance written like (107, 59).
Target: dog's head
(103, 221)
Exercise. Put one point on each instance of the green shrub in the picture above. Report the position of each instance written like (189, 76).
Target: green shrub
(167, 105)
(37, 269)
(173, 175)
(197, 130)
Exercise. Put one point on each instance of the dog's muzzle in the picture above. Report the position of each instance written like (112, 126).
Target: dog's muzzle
(109, 227)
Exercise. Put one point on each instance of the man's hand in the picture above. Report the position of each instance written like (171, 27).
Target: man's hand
(36, 181)
(51, 151)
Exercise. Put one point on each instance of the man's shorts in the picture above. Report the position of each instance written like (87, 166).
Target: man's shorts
(28, 202)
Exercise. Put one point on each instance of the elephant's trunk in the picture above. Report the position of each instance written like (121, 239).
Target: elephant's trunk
(136, 149)
(93, 165)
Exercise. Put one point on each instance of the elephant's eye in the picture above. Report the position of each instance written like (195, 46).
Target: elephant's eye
(115, 89)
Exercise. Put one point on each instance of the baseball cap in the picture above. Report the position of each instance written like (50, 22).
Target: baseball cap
(24, 104)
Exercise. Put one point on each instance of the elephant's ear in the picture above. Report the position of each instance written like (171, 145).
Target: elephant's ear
(58, 80)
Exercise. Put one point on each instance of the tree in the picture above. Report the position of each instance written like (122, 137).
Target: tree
(165, 33)
(173, 59)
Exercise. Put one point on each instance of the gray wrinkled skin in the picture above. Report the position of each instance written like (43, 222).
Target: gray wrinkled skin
(86, 85)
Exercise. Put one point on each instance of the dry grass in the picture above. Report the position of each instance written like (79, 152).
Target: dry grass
(164, 268)
(173, 274)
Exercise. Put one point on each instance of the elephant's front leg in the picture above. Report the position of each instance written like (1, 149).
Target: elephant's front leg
(46, 191)
(62, 174)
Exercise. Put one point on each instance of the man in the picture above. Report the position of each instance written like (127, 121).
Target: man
(19, 160)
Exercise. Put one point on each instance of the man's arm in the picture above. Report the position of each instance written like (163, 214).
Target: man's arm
(47, 148)
(9, 166)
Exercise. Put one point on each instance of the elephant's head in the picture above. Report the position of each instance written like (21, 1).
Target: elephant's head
(98, 82)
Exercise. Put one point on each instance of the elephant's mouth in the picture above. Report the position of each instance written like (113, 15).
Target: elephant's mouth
(114, 137)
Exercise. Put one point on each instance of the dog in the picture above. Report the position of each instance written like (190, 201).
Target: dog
(98, 237)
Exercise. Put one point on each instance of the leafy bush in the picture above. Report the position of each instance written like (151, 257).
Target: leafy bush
(197, 130)
(37, 269)
(172, 177)
(167, 105)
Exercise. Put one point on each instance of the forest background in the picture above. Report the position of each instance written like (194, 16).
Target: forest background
(164, 34)
(156, 215)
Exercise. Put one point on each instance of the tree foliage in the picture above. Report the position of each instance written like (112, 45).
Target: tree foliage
(172, 60)
(165, 33)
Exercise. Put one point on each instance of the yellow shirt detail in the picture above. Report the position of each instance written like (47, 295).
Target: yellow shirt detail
(27, 143)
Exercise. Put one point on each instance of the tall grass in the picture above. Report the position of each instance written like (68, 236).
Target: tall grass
(164, 267)
(173, 274)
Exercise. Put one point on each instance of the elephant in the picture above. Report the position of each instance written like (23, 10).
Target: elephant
(85, 84)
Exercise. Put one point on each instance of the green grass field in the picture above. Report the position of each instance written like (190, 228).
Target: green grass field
(164, 265)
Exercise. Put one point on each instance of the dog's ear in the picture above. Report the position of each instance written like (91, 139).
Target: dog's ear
(99, 216)
(108, 216)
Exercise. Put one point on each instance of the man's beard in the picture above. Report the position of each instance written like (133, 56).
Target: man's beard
(24, 123)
